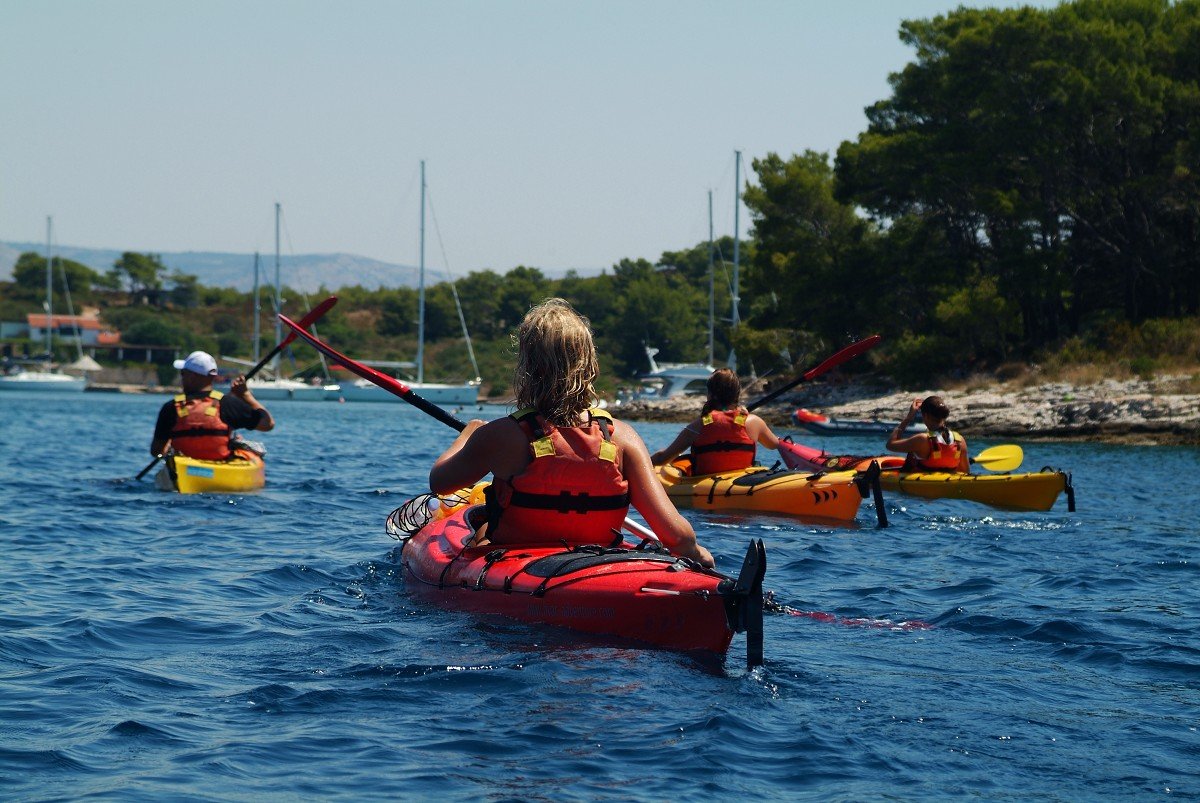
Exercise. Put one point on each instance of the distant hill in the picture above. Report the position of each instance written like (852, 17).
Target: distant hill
(304, 272)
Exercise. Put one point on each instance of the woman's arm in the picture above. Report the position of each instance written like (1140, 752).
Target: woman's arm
(464, 463)
(682, 442)
(647, 495)
(757, 429)
(898, 443)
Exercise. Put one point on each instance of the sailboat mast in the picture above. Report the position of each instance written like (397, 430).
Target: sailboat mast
(421, 289)
(737, 203)
(711, 294)
(278, 293)
(257, 311)
(49, 296)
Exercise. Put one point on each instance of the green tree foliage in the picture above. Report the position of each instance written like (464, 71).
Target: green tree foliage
(185, 290)
(141, 275)
(656, 308)
(1056, 151)
(29, 278)
(398, 314)
(159, 331)
(521, 288)
(810, 248)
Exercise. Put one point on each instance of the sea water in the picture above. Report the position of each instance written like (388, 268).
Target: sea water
(155, 646)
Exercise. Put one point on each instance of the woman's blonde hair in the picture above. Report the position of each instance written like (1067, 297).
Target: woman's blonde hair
(724, 390)
(556, 363)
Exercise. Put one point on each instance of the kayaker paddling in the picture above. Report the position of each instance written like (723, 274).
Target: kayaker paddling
(200, 421)
(937, 449)
(562, 471)
(723, 438)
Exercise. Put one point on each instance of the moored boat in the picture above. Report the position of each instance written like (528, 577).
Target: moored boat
(821, 424)
(244, 472)
(43, 381)
(807, 493)
(1026, 491)
(622, 590)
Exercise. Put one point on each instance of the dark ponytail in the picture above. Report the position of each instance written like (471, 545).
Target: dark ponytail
(724, 391)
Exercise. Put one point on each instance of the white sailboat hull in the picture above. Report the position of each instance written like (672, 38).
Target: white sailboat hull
(291, 390)
(360, 390)
(43, 381)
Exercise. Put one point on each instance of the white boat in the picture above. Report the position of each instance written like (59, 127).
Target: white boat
(47, 378)
(443, 395)
(53, 381)
(291, 390)
(670, 380)
(459, 394)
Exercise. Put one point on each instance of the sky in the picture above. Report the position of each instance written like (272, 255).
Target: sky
(556, 133)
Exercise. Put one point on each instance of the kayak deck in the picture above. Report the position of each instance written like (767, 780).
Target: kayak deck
(246, 472)
(804, 493)
(640, 594)
(1031, 491)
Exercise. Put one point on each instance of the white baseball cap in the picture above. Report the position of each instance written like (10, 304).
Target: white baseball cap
(198, 362)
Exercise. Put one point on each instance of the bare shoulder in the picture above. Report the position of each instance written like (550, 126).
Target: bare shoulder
(501, 432)
(625, 435)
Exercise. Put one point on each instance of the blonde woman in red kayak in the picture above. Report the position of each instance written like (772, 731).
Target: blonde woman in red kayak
(937, 449)
(561, 470)
(723, 438)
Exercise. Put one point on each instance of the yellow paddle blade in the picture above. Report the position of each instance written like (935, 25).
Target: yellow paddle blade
(1006, 457)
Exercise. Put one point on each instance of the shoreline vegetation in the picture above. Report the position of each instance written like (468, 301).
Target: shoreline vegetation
(1159, 410)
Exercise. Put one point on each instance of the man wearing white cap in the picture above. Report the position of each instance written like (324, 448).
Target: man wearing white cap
(199, 422)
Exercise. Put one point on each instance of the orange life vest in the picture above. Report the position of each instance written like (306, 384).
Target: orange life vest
(723, 443)
(945, 452)
(199, 432)
(572, 491)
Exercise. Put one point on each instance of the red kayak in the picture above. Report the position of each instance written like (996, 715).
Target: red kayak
(638, 593)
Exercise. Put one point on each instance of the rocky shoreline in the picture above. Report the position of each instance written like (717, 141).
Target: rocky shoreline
(1160, 411)
(1163, 410)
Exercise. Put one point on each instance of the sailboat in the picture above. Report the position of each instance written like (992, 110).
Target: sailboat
(673, 379)
(47, 379)
(275, 387)
(460, 395)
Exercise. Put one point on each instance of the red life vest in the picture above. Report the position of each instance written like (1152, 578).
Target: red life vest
(723, 443)
(946, 449)
(572, 491)
(199, 432)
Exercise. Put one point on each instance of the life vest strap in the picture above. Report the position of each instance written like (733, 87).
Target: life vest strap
(567, 502)
(723, 446)
(198, 433)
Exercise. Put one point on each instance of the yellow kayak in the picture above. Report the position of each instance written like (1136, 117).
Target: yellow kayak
(245, 472)
(1032, 491)
(1027, 491)
(757, 489)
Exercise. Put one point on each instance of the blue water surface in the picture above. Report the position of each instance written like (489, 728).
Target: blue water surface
(245, 647)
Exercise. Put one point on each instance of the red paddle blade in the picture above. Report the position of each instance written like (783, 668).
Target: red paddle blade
(853, 350)
(394, 386)
(312, 317)
(365, 371)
